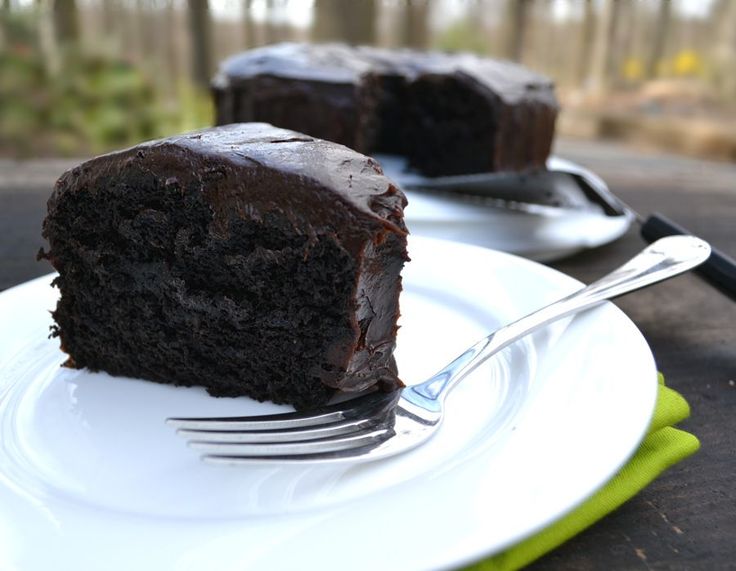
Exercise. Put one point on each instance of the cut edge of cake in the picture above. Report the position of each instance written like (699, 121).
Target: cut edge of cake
(117, 228)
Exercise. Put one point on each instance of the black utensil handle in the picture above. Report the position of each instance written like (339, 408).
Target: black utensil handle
(719, 269)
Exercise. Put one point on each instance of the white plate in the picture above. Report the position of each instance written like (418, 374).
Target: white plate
(542, 234)
(541, 238)
(91, 478)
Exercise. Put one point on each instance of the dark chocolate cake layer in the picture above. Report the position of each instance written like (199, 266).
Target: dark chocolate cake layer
(247, 259)
(448, 113)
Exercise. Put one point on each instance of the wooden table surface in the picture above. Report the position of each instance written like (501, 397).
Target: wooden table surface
(687, 518)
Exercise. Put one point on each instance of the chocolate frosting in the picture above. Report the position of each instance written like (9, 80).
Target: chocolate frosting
(341, 64)
(226, 161)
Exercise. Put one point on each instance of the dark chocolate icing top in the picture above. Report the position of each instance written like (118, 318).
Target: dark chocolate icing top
(334, 63)
(246, 168)
(353, 177)
(338, 63)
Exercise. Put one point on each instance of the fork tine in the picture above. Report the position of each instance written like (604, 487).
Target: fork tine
(293, 448)
(360, 406)
(257, 423)
(321, 458)
(292, 435)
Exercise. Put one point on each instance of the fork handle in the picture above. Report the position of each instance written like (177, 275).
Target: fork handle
(661, 260)
(719, 270)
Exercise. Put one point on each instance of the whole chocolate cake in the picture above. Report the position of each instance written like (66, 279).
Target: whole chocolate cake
(247, 259)
(448, 113)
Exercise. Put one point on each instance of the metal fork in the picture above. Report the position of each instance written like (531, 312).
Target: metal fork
(378, 425)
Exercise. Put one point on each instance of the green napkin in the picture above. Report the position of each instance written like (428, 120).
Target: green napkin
(663, 446)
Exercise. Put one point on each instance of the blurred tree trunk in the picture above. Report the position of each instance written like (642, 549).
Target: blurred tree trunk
(200, 29)
(146, 19)
(725, 47)
(171, 22)
(269, 29)
(128, 26)
(517, 28)
(476, 20)
(66, 23)
(621, 36)
(626, 28)
(602, 54)
(47, 38)
(4, 18)
(416, 25)
(661, 31)
(325, 26)
(110, 14)
(541, 49)
(353, 22)
(586, 41)
(249, 28)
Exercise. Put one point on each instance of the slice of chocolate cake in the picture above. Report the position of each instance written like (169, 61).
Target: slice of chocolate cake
(247, 259)
(448, 113)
